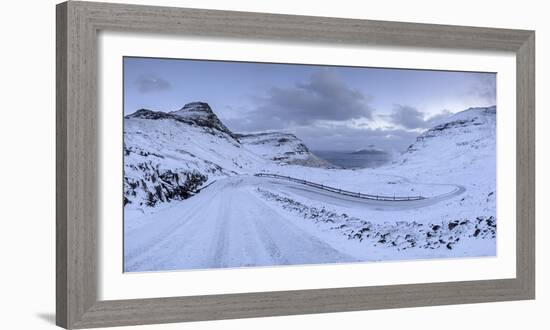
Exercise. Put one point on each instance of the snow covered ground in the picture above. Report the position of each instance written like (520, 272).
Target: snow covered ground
(192, 200)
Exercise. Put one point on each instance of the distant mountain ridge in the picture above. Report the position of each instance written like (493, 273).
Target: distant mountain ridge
(282, 147)
(370, 151)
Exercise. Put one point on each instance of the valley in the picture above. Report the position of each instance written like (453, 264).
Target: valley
(193, 199)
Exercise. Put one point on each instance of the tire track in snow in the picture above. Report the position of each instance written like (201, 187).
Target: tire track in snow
(219, 242)
(294, 244)
(230, 226)
(154, 251)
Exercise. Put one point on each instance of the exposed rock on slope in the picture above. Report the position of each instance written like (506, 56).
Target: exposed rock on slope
(202, 115)
(451, 142)
(462, 150)
(400, 235)
(282, 147)
(170, 155)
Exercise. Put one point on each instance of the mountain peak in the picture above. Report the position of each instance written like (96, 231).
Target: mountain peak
(201, 114)
(194, 113)
(195, 110)
(195, 107)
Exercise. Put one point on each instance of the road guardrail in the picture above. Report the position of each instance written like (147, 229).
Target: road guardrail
(342, 191)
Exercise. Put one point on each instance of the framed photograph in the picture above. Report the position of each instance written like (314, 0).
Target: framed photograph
(217, 165)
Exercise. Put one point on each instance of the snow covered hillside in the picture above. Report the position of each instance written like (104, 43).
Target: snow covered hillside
(462, 150)
(169, 156)
(458, 152)
(283, 148)
(465, 139)
(192, 200)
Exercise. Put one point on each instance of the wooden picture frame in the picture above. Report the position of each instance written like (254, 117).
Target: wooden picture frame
(78, 24)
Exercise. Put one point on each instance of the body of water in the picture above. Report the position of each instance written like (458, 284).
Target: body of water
(349, 159)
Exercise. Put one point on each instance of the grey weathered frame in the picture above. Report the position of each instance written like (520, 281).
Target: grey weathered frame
(77, 149)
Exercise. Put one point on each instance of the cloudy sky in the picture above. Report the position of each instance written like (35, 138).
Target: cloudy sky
(329, 107)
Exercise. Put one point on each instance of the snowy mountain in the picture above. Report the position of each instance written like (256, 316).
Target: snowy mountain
(459, 152)
(202, 115)
(462, 150)
(281, 147)
(461, 141)
(242, 220)
(170, 156)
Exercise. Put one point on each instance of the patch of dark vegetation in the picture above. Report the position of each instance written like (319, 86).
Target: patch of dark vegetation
(129, 150)
(158, 185)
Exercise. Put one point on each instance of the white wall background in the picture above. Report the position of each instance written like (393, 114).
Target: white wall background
(27, 162)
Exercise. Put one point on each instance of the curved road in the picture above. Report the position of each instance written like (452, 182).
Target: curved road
(226, 225)
(229, 225)
(334, 198)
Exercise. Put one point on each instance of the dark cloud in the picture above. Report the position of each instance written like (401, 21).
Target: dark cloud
(325, 96)
(407, 117)
(151, 83)
(346, 138)
(340, 135)
(322, 112)
(411, 118)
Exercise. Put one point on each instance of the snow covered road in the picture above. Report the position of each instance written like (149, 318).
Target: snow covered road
(229, 225)
(226, 225)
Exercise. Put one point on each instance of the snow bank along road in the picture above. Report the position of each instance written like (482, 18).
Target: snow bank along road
(229, 225)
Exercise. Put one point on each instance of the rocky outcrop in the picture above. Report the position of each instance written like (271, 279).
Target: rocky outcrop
(168, 156)
(202, 115)
(147, 183)
(281, 147)
(399, 235)
(196, 114)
